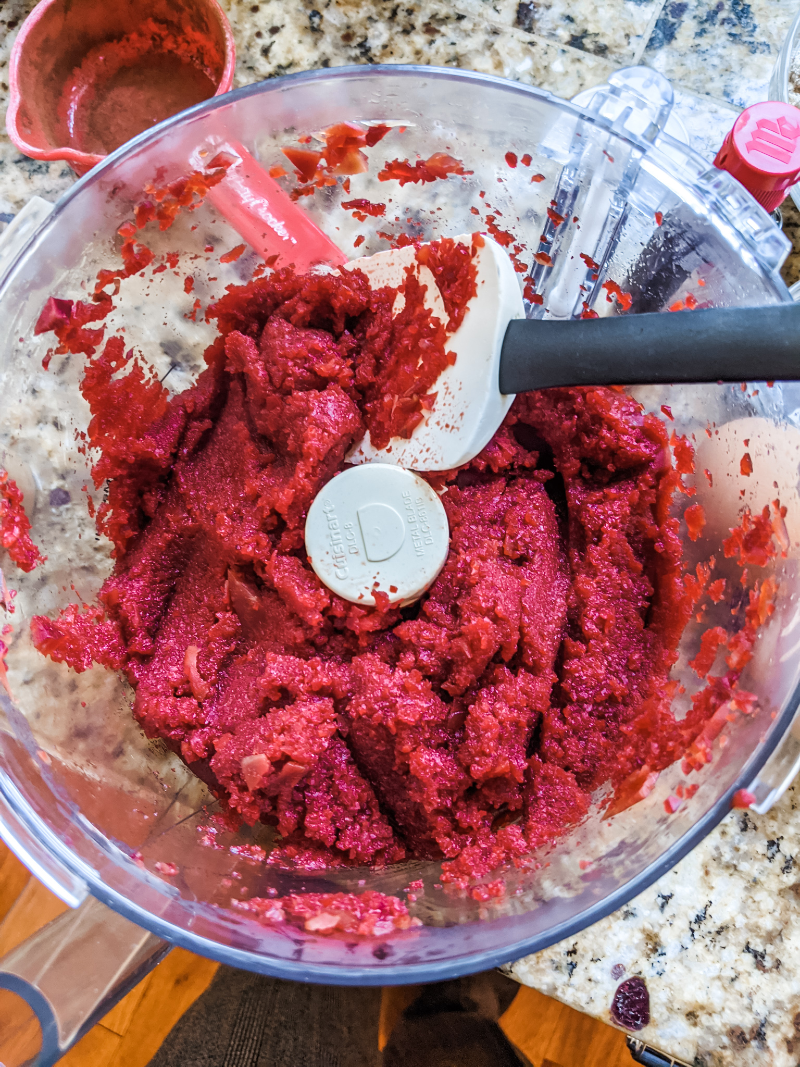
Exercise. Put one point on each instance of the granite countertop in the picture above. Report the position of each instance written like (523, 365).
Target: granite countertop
(718, 938)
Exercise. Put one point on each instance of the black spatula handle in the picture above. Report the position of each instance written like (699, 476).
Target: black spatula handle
(708, 345)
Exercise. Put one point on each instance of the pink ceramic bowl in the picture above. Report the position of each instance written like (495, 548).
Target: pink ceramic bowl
(60, 49)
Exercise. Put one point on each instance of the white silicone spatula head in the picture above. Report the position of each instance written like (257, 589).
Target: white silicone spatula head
(469, 406)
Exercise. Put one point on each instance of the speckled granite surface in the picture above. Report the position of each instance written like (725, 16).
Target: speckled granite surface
(721, 47)
(718, 938)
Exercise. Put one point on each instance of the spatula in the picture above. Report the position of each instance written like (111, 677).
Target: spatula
(500, 353)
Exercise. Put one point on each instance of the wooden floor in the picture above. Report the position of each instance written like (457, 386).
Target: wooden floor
(549, 1033)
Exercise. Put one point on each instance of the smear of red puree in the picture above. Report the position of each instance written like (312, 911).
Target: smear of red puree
(125, 86)
(721, 699)
(368, 914)
(15, 526)
(69, 319)
(15, 539)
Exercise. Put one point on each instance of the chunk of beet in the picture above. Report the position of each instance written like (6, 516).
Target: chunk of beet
(55, 313)
(631, 1004)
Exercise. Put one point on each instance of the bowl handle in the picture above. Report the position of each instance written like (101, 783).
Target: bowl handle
(56, 985)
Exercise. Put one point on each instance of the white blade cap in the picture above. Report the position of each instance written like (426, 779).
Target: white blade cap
(377, 527)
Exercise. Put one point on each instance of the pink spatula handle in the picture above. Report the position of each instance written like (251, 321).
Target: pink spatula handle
(267, 219)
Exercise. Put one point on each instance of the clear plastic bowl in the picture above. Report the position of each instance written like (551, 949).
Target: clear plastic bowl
(91, 803)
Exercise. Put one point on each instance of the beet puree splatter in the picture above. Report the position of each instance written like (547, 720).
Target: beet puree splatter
(368, 914)
(439, 165)
(475, 725)
(342, 155)
(362, 208)
(14, 529)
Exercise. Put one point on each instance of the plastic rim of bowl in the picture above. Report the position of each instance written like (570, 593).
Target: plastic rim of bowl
(430, 970)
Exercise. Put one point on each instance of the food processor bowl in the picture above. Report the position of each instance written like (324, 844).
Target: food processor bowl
(93, 806)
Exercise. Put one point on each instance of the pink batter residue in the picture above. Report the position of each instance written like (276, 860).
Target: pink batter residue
(123, 87)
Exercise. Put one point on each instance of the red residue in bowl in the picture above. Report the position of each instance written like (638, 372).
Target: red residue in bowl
(375, 134)
(752, 540)
(342, 155)
(367, 914)
(362, 208)
(716, 590)
(624, 300)
(15, 527)
(439, 165)
(742, 799)
(721, 699)
(683, 450)
(709, 644)
(695, 518)
(304, 160)
(233, 255)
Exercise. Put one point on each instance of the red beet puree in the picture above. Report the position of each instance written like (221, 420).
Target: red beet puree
(367, 914)
(473, 725)
(125, 86)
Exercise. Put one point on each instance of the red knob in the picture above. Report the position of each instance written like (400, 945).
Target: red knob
(762, 151)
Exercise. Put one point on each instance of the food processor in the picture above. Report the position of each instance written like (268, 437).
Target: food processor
(115, 824)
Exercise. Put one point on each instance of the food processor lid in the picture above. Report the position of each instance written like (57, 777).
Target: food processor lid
(762, 151)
